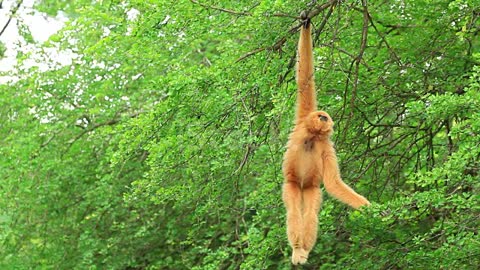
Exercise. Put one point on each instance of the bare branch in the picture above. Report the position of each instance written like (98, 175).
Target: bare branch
(322, 7)
(14, 11)
(94, 126)
(363, 45)
(245, 158)
(250, 54)
(355, 62)
(222, 9)
(279, 43)
(392, 52)
(286, 15)
(324, 22)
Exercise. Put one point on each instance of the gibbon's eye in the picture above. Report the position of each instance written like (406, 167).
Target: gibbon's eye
(323, 118)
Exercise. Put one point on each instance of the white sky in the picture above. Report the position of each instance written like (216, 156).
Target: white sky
(39, 24)
(41, 27)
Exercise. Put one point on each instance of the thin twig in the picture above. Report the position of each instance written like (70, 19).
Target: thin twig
(355, 62)
(222, 9)
(321, 8)
(250, 54)
(287, 15)
(363, 46)
(14, 11)
(244, 160)
(324, 21)
(392, 52)
(278, 45)
(98, 125)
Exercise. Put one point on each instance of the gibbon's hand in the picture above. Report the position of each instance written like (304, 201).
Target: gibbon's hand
(305, 19)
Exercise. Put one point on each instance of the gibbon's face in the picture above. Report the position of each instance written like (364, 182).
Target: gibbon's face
(320, 122)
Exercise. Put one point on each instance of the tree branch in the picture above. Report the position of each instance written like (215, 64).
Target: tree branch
(94, 126)
(250, 54)
(278, 45)
(222, 9)
(324, 21)
(382, 37)
(363, 45)
(14, 11)
(318, 9)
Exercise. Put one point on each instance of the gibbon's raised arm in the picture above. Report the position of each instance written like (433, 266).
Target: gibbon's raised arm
(306, 98)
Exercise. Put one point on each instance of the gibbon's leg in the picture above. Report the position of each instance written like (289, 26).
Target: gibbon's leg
(336, 187)
(312, 200)
(292, 197)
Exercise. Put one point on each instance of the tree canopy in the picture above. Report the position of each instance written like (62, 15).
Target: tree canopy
(160, 145)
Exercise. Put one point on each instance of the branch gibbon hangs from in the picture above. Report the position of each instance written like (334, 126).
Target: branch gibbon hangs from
(310, 159)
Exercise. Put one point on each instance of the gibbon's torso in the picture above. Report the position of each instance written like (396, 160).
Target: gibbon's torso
(304, 155)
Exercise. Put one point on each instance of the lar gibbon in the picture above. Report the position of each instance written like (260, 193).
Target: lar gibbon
(310, 159)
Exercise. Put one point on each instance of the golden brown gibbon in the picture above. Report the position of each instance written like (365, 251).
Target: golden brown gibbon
(309, 160)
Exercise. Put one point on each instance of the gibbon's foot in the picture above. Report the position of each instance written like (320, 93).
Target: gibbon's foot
(299, 256)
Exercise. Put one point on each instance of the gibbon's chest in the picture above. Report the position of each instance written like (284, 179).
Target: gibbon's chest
(309, 158)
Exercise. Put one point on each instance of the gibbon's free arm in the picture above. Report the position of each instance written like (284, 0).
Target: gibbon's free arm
(336, 187)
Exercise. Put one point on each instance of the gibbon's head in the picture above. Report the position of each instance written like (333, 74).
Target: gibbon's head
(319, 123)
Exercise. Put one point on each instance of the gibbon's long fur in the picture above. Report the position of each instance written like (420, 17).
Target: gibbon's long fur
(309, 160)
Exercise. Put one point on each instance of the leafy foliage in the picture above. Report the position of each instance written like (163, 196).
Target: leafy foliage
(160, 146)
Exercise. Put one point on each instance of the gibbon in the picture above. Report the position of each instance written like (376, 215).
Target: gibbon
(309, 160)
